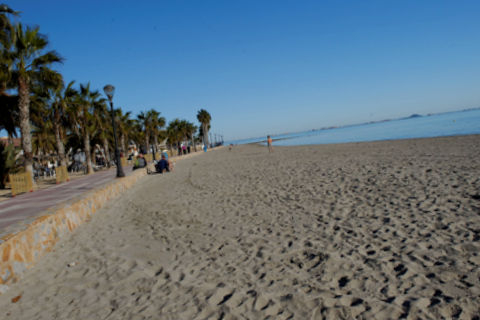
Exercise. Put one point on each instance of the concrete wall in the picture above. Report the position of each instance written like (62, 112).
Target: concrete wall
(22, 248)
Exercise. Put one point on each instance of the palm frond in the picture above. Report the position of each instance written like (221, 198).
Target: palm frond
(46, 59)
(6, 9)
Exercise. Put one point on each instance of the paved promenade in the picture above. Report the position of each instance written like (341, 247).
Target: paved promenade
(28, 205)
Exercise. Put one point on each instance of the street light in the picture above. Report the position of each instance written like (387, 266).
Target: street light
(109, 91)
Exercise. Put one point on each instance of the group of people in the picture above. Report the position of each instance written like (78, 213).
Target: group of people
(161, 166)
(45, 169)
(183, 149)
(164, 165)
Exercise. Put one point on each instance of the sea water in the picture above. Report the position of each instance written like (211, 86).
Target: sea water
(438, 125)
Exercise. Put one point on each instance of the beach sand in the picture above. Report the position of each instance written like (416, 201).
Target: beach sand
(380, 230)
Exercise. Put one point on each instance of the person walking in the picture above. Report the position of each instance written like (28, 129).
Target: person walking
(269, 144)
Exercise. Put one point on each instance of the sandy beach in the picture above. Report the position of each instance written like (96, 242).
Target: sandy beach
(380, 230)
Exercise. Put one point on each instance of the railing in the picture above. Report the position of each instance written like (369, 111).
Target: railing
(21, 182)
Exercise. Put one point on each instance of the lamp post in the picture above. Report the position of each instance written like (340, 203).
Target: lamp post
(109, 91)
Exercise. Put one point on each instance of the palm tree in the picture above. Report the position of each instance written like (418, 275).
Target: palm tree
(80, 113)
(62, 98)
(30, 65)
(157, 123)
(137, 134)
(102, 119)
(145, 120)
(174, 132)
(8, 103)
(125, 127)
(204, 118)
(43, 141)
(42, 138)
(48, 107)
(6, 28)
(191, 129)
(162, 135)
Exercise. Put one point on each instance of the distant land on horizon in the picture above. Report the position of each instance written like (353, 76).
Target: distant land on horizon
(414, 115)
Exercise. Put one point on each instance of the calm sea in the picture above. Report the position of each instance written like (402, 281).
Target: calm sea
(445, 124)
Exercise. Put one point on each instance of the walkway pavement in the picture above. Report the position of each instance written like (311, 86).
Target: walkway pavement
(28, 205)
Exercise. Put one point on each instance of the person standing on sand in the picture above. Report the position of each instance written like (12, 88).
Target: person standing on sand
(269, 143)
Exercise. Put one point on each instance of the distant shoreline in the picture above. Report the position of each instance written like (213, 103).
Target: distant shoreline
(365, 142)
(415, 126)
(262, 139)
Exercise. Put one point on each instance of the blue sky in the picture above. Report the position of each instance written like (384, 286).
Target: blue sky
(268, 67)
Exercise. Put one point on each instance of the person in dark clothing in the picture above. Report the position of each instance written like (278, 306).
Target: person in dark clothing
(163, 165)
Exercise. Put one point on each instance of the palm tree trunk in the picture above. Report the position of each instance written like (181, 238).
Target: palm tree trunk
(107, 152)
(24, 108)
(86, 141)
(60, 146)
(155, 141)
(122, 144)
(94, 152)
(205, 135)
(193, 144)
(88, 156)
(147, 142)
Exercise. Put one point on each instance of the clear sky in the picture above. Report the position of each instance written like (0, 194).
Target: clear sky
(268, 67)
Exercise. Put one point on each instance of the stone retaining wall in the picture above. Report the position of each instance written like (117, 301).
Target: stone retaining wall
(21, 249)
(24, 246)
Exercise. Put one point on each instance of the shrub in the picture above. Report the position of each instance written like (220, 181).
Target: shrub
(8, 165)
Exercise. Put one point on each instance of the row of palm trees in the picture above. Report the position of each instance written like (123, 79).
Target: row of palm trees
(54, 117)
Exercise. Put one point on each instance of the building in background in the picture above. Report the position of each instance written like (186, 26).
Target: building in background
(16, 142)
